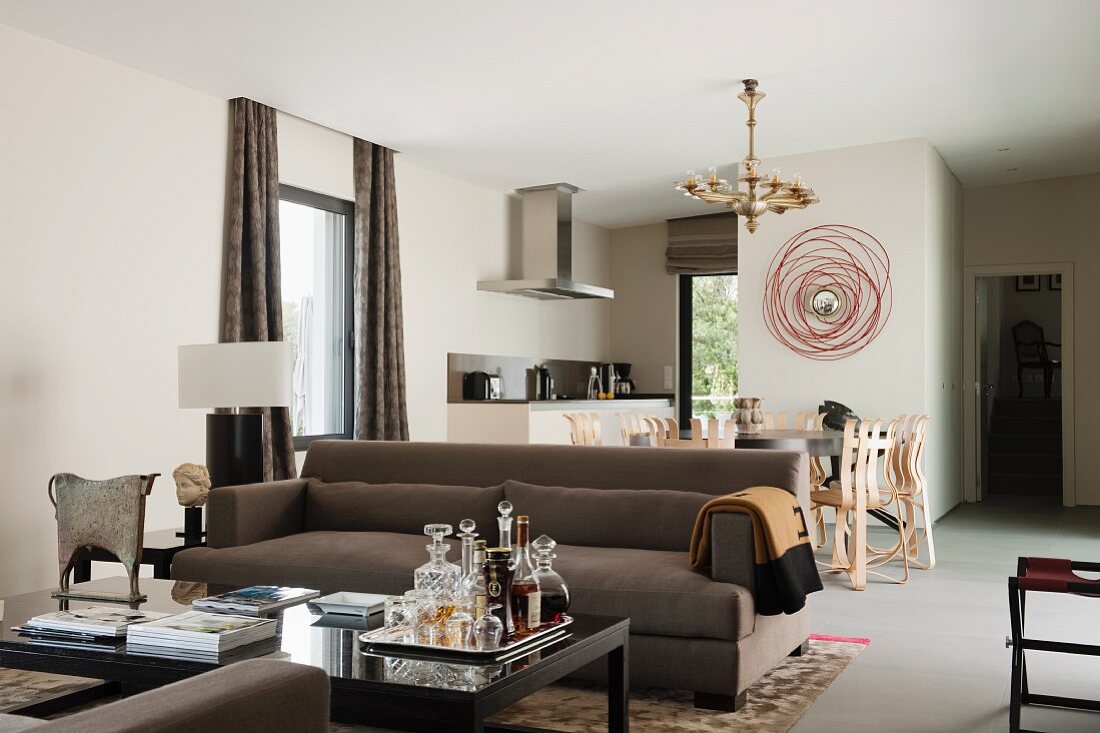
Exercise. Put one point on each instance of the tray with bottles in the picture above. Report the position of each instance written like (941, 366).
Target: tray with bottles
(384, 642)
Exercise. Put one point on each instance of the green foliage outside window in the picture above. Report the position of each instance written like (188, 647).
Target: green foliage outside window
(714, 344)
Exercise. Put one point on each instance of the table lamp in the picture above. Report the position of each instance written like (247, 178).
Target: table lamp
(234, 375)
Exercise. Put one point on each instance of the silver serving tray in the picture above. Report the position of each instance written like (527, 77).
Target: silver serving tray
(380, 642)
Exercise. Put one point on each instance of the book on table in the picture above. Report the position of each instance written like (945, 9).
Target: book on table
(93, 621)
(256, 600)
(263, 648)
(201, 631)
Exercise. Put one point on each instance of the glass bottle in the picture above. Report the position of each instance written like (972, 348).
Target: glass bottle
(526, 612)
(466, 533)
(555, 593)
(437, 576)
(473, 585)
(504, 522)
(498, 586)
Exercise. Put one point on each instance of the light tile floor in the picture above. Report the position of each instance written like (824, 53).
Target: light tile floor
(937, 659)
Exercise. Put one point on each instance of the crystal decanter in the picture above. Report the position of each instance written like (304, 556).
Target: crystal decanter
(472, 591)
(555, 593)
(437, 576)
(504, 523)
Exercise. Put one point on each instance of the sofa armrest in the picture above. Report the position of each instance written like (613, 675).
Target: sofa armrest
(732, 556)
(253, 696)
(241, 515)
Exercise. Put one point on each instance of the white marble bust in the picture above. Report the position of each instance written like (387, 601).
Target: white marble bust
(192, 484)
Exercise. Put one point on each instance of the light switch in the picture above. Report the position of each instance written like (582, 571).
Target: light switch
(668, 377)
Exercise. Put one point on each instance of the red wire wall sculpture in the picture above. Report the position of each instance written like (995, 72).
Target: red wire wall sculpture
(845, 260)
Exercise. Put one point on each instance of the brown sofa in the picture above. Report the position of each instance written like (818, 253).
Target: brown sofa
(255, 696)
(622, 518)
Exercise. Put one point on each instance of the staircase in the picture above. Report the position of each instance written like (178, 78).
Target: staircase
(1025, 447)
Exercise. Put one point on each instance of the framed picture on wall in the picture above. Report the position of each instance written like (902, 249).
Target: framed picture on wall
(1028, 283)
(1054, 282)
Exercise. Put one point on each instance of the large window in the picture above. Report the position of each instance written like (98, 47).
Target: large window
(708, 345)
(315, 237)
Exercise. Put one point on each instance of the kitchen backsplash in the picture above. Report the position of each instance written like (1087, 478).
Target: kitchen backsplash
(517, 374)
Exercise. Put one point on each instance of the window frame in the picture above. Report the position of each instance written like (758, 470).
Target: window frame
(335, 205)
(684, 355)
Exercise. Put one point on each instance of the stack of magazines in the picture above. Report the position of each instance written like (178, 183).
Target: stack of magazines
(209, 637)
(258, 600)
(102, 628)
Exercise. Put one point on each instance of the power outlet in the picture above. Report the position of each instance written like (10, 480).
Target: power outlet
(669, 377)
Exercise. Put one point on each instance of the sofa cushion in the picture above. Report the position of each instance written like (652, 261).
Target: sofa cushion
(635, 518)
(658, 591)
(13, 723)
(366, 562)
(405, 508)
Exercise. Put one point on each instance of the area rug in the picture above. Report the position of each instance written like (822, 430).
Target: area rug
(775, 702)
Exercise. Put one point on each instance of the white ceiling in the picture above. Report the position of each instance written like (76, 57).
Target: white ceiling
(620, 96)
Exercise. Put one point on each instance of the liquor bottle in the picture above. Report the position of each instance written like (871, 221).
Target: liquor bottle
(437, 576)
(555, 593)
(467, 535)
(504, 523)
(526, 609)
(498, 586)
(473, 585)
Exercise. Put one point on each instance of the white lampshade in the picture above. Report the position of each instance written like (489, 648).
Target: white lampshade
(245, 374)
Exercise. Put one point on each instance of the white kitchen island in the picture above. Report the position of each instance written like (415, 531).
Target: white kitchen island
(500, 421)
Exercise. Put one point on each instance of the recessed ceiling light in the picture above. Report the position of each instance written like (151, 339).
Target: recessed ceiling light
(1011, 169)
(1001, 150)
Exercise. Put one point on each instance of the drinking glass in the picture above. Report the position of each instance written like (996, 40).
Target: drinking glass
(400, 617)
(488, 630)
(458, 629)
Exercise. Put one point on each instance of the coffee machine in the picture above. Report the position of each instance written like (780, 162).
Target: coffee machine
(623, 384)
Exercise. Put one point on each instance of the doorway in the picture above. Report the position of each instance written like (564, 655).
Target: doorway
(1018, 353)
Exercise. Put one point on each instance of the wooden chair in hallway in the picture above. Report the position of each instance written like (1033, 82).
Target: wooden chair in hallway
(584, 428)
(1031, 353)
(856, 493)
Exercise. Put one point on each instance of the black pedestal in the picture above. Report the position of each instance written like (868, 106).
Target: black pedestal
(234, 449)
(193, 532)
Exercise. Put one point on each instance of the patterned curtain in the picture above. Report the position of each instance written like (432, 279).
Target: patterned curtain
(379, 341)
(253, 297)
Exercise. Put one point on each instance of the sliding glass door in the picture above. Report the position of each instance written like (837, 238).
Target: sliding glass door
(708, 346)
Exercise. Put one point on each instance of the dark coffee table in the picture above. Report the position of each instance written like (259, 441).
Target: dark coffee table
(390, 692)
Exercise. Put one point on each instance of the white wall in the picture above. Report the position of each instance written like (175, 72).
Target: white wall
(643, 314)
(899, 193)
(111, 229)
(943, 393)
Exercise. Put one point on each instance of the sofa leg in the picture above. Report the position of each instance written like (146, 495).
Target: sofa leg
(801, 649)
(727, 703)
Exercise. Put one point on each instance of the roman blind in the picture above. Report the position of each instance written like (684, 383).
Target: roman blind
(702, 245)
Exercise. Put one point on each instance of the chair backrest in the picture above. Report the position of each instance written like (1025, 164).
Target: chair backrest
(721, 436)
(865, 443)
(798, 421)
(1030, 342)
(584, 428)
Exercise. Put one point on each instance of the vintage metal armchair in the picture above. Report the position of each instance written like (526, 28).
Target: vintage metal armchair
(1031, 353)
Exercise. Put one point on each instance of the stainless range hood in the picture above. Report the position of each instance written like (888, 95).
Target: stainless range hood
(547, 249)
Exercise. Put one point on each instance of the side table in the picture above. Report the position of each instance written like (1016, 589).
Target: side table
(158, 549)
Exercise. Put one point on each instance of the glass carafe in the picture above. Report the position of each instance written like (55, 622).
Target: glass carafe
(437, 576)
(472, 591)
(555, 593)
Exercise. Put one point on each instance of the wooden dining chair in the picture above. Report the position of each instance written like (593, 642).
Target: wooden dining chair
(584, 428)
(634, 423)
(909, 481)
(819, 473)
(721, 435)
(778, 421)
(857, 492)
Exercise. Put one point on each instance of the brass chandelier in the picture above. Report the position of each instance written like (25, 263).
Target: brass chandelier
(779, 194)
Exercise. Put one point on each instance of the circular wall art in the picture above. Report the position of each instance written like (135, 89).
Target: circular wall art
(828, 292)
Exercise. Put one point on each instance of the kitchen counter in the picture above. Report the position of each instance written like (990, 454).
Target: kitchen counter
(541, 421)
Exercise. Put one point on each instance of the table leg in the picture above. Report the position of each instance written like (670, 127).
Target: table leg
(82, 569)
(162, 566)
(618, 690)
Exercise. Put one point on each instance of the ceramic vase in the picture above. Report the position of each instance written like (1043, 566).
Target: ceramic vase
(750, 414)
